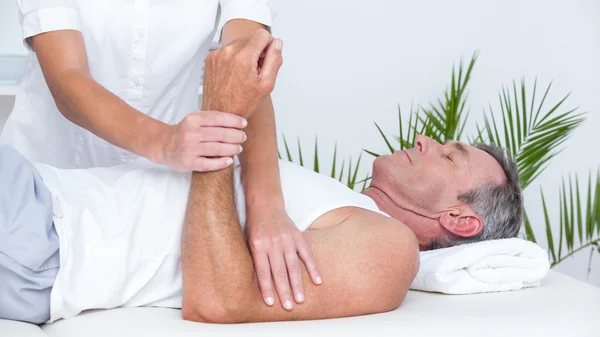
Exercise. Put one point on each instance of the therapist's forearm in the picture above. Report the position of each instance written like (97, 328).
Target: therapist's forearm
(83, 101)
(259, 161)
(91, 106)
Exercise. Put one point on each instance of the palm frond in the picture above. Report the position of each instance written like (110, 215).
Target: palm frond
(448, 117)
(406, 139)
(364, 181)
(316, 167)
(387, 142)
(572, 217)
(529, 235)
(334, 161)
(287, 149)
(531, 138)
(351, 175)
(300, 153)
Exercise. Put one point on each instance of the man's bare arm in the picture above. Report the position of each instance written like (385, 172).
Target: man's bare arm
(368, 261)
(212, 248)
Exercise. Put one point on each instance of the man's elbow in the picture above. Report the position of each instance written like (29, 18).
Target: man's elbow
(212, 312)
(406, 262)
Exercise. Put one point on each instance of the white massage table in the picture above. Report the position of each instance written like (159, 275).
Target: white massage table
(562, 306)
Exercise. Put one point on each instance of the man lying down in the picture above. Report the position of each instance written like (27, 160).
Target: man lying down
(139, 234)
(112, 237)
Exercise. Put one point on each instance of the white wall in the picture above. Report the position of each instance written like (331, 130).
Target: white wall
(348, 63)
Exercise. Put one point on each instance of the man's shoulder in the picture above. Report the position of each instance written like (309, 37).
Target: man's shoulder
(310, 195)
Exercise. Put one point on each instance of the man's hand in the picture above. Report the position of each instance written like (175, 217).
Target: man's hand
(277, 247)
(240, 75)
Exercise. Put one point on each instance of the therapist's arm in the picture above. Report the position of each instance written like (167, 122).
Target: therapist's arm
(83, 101)
(277, 246)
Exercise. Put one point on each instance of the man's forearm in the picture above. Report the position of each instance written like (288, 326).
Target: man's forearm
(216, 262)
(86, 103)
(260, 169)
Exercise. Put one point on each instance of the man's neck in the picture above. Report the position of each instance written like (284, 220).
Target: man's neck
(424, 227)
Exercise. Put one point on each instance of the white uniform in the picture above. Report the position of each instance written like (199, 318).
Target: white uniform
(120, 234)
(148, 52)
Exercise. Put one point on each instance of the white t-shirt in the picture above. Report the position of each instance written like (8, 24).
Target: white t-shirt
(120, 229)
(149, 53)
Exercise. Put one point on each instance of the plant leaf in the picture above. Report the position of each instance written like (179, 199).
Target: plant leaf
(528, 229)
(390, 147)
(353, 181)
(372, 153)
(579, 217)
(300, 153)
(334, 160)
(341, 171)
(364, 181)
(548, 228)
(287, 149)
(316, 166)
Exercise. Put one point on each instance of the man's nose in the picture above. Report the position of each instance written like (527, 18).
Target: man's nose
(422, 143)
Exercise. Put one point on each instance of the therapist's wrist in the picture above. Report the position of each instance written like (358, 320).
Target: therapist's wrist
(154, 145)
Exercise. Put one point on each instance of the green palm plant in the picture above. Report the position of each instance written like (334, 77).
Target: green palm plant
(575, 221)
(532, 133)
(448, 117)
(341, 172)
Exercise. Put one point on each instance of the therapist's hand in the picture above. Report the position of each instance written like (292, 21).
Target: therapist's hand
(204, 141)
(239, 76)
(279, 249)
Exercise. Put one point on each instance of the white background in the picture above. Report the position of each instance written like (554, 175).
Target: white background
(348, 63)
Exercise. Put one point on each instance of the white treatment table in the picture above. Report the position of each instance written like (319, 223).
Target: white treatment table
(562, 306)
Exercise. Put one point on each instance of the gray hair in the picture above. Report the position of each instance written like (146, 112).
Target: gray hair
(499, 206)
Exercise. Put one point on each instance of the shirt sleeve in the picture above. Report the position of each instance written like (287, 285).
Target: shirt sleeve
(261, 11)
(41, 16)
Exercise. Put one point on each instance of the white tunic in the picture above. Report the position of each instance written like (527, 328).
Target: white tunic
(120, 229)
(150, 53)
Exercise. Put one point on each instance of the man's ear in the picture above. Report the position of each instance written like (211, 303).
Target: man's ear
(462, 222)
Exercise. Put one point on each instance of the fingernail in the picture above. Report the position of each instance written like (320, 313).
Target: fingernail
(244, 123)
(319, 281)
(229, 161)
(241, 149)
(278, 44)
(300, 298)
(270, 301)
(245, 137)
(288, 305)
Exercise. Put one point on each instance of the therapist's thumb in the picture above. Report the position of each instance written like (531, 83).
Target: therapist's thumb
(271, 64)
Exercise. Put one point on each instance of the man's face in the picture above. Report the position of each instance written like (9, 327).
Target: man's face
(428, 178)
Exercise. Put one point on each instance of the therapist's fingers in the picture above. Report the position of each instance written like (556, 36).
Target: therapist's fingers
(217, 118)
(308, 258)
(222, 135)
(271, 65)
(201, 164)
(280, 275)
(295, 273)
(213, 149)
(263, 273)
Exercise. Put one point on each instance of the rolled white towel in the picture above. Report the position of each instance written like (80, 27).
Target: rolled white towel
(488, 266)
